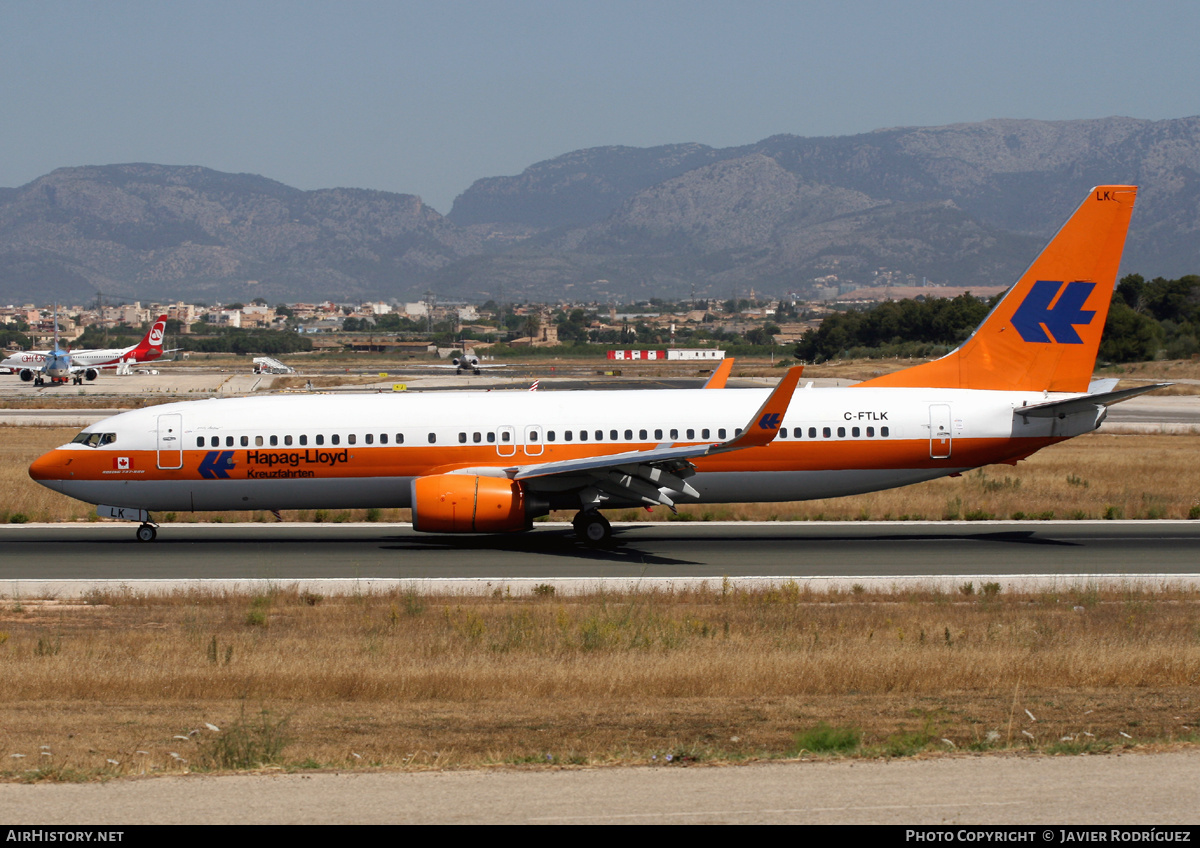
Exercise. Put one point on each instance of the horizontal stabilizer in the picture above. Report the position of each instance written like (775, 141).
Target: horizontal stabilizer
(1055, 408)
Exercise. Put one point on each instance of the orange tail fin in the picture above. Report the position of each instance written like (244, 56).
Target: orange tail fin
(1045, 333)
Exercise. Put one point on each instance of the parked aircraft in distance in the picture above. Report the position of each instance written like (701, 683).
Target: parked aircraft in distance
(491, 462)
(86, 364)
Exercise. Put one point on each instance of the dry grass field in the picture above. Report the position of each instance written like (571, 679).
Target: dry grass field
(129, 684)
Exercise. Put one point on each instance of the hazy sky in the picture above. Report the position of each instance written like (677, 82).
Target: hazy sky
(425, 97)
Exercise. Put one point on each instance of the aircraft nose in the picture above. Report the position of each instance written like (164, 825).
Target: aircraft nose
(50, 468)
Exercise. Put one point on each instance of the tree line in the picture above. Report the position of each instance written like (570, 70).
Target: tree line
(1155, 319)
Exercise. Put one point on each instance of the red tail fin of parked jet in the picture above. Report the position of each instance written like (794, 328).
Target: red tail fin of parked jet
(151, 345)
(1044, 334)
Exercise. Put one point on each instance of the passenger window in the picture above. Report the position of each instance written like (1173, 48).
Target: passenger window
(229, 441)
(320, 438)
(841, 432)
(303, 440)
(352, 439)
(399, 438)
(691, 434)
(642, 435)
(335, 439)
(491, 437)
(658, 435)
(854, 431)
(505, 436)
(462, 438)
(383, 438)
(533, 435)
(567, 435)
(721, 433)
(783, 432)
(812, 432)
(600, 435)
(826, 432)
(883, 431)
(549, 435)
(674, 434)
(433, 438)
(199, 441)
(629, 435)
(258, 441)
(215, 441)
(704, 433)
(798, 433)
(477, 437)
(245, 441)
(870, 432)
(370, 437)
(287, 440)
(583, 435)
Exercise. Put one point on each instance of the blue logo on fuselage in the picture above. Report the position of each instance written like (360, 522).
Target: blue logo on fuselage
(216, 465)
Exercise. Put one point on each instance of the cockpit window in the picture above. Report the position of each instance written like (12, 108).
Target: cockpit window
(94, 440)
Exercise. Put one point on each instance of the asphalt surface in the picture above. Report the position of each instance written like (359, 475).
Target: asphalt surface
(640, 550)
(1024, 794)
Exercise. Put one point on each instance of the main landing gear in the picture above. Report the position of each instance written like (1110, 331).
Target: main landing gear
(592, 528)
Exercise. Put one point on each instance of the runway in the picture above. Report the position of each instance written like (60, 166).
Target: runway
(805, 551)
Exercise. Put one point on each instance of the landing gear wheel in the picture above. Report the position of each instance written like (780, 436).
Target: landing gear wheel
(592, 528)
(147, 533)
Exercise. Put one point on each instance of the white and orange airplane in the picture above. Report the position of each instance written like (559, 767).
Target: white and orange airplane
(489, 462)
(86, 364)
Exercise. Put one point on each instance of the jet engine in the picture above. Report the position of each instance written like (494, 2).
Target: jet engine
(464, 503)
(26, 375)
(91, 374)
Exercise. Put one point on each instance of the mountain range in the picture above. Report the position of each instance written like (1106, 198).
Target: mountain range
(966, 204)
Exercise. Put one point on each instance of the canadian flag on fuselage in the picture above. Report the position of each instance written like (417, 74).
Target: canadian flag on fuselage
(1045, 333)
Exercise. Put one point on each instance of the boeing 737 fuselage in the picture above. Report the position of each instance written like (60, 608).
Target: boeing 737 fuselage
(493, 461)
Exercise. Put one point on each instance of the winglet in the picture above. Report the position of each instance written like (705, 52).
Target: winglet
(763, 427)
(718, 378)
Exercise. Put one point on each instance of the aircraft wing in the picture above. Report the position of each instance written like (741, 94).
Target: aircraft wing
(647, 475)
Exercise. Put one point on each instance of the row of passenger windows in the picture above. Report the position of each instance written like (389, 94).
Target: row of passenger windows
(302, 440)
(827, 432)
(533, 434)
(506, 436)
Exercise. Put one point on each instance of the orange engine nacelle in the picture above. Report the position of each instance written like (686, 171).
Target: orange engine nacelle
(461, 503)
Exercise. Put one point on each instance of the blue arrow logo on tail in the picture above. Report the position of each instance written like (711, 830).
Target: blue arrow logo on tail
(216, 464)
(1035, 312)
